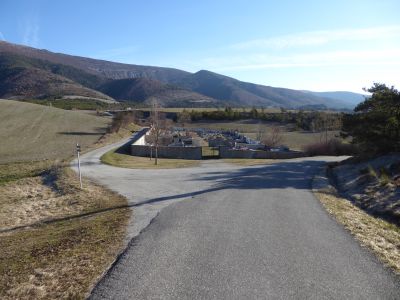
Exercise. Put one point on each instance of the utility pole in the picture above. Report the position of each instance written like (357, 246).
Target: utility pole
(78, 151)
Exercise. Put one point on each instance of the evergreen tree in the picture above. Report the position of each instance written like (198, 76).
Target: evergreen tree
(375, 125)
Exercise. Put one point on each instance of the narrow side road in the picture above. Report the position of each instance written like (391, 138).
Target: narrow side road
(230, 232)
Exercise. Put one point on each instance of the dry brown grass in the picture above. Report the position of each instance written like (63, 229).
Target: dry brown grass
(55, 194)
(62, 259)
(379, 236)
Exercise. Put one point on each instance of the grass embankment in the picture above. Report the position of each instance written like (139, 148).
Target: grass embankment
(35, 132)
(381, 237)
(62, 259)
(135, 162)
(57, 259)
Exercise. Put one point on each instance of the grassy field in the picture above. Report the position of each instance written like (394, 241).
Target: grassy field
(34, 132)
(53, 257)
(135, 162)
(293, 139)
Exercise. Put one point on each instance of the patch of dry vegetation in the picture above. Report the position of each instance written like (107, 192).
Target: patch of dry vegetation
(73, 234)
(53, 194)
(331, 147)
(373, 187)
(62, 259)
(380, 236)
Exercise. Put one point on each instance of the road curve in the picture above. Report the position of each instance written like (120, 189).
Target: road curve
(230, 232)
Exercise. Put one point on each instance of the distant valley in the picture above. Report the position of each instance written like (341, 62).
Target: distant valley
(29, 73)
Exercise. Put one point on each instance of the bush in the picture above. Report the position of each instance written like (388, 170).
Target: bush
(122, 119)
(332, 147)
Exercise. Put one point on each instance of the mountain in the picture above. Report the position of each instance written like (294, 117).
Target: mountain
(102, 68)
(24, 77)
(35, 73)
(349, 98)
(248, 94)
(143, 90)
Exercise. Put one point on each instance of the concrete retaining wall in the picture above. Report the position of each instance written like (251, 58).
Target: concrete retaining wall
(168, 152)
(231, 153)
(139, 137)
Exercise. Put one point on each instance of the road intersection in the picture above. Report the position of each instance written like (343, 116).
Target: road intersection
(222, 231)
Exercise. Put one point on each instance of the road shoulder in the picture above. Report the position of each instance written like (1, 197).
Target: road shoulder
(379, 236)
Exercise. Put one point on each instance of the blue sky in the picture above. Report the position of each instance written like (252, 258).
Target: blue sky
(313, 45)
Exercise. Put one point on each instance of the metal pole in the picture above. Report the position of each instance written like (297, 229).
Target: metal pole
(79, 165)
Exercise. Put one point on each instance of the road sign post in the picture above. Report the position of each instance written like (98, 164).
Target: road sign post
(78, 151)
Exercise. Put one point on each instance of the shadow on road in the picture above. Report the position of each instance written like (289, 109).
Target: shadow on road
(282, 175)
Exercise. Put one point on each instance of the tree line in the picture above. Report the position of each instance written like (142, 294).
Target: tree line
(304, 120)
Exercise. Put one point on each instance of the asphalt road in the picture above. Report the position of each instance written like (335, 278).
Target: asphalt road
(227, 232)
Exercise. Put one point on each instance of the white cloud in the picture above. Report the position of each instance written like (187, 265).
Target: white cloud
(315, 38)
(31, 33)
(2, 38)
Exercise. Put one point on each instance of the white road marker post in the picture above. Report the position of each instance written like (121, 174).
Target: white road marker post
(78, 150)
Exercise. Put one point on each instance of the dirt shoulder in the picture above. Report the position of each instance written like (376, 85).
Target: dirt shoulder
(376, 234)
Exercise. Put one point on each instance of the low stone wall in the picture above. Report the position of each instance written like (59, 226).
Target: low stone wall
(225, 152)
(168, 152)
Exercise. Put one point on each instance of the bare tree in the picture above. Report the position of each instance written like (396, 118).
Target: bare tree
(157, 126)
(328, 123)
(273, 138)
(260, 132)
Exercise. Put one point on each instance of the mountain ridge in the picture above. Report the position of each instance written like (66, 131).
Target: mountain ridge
(172, 87)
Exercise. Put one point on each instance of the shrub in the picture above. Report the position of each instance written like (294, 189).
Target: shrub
(331, 147)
